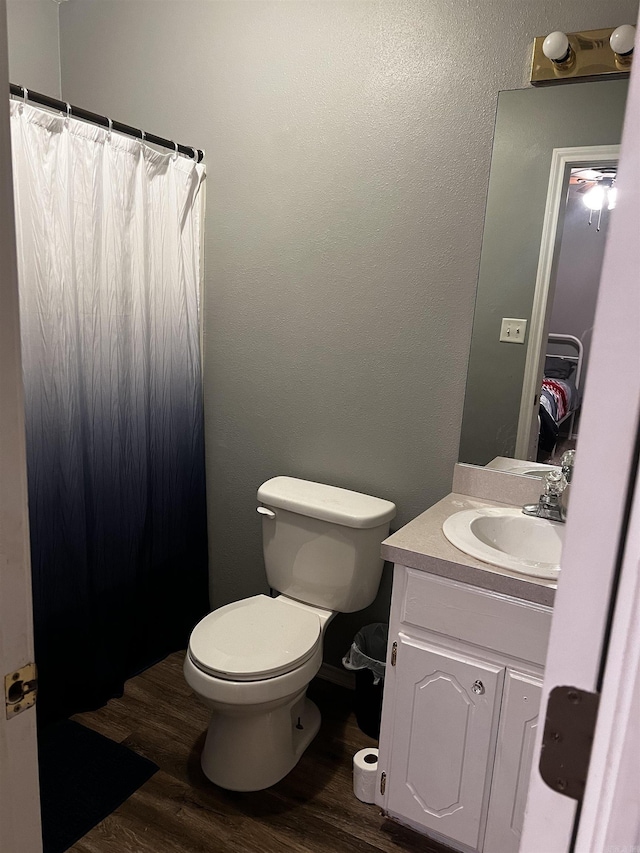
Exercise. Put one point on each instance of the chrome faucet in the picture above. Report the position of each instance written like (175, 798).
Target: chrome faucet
(551, 505)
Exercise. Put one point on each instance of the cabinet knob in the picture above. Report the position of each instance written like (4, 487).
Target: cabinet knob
(478, 688)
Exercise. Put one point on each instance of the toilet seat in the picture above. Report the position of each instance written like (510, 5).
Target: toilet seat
(254, 639)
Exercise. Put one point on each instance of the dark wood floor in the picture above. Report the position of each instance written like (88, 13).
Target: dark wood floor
(313, 810)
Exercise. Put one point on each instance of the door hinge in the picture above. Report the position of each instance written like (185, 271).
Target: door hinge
(567, 740)
(383, 782)
(20, 689)
(394, 654)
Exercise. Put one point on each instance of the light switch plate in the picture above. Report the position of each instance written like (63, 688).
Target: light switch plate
(513, 331)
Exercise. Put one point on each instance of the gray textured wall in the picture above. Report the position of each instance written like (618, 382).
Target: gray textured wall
(530, 124)
(348, 148)
(34, 45)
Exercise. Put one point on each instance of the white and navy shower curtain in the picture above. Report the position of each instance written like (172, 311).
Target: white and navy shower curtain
(108, 235)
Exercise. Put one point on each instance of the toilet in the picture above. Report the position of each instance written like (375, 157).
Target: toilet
(251, 661)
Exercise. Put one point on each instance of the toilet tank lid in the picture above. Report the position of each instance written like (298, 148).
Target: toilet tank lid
(327, 503)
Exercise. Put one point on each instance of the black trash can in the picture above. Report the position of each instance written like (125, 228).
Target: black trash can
(367, 657)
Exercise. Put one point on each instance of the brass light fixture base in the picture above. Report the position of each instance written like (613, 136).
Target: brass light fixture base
(591, 58)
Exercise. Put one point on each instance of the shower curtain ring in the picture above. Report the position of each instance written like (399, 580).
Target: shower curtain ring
(110, 129)
(174, 156)
(25, 94)
(195, 154)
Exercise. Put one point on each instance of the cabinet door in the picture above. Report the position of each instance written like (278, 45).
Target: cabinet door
(514, 753)
(443, 738)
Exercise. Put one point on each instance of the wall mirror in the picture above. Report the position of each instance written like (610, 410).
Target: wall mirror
(551, 190)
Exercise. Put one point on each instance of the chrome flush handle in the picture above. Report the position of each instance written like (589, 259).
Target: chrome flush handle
(269, 513)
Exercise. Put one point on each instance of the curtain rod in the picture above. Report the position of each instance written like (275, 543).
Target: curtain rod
(77, 112)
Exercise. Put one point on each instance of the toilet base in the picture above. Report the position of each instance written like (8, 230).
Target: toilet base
(250, 748)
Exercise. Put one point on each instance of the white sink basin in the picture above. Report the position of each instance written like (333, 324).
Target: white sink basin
(509, 539)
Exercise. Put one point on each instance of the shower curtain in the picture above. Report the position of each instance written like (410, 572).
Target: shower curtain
(108, 235)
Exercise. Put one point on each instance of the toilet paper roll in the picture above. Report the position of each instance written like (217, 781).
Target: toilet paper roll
(365, 774)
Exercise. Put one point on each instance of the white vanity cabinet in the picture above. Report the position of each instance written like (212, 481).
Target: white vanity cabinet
(461, 699)
(514, 753)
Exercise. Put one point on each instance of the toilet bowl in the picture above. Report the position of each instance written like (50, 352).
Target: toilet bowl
(251, 661)
(261, 719)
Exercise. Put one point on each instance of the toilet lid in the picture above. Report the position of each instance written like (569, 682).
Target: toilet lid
(258, 637)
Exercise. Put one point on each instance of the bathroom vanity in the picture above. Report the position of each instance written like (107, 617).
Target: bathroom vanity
(467, 645)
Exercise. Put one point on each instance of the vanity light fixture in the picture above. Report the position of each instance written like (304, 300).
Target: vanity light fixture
(556, 47)
(589, 55)
(622, 40)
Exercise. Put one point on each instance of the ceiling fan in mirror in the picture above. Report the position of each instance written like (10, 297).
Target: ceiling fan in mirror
(597, 188)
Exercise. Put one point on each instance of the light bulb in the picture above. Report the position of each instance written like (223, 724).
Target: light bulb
(622, 40)
(556, 47)
(594, 198)
(612, 197)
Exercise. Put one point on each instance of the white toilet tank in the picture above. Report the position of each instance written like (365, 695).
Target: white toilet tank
(322, 544)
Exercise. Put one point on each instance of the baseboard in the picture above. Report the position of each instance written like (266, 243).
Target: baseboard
(336, 675)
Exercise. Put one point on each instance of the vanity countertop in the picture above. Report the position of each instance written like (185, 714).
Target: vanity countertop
(422, 545)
